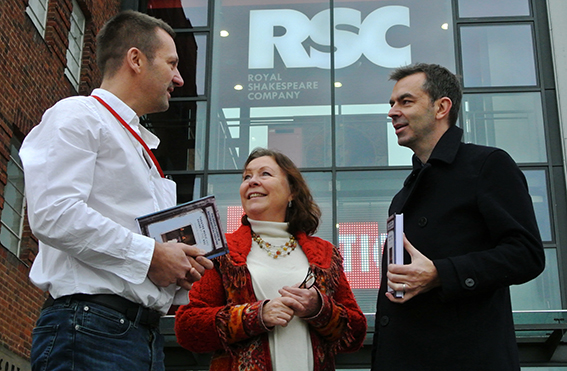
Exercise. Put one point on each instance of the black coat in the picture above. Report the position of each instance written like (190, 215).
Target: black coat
(468, 210)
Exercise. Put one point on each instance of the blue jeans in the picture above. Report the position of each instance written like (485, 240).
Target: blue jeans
(81, 336)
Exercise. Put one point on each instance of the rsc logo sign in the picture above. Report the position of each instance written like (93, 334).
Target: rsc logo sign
(353, 38)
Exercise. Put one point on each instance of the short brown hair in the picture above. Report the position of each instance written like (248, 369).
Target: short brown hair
(126, 30)
(304, 214)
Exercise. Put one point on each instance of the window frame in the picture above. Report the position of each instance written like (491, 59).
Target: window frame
(38, 14)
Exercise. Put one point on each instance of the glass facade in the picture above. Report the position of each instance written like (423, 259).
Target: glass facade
(310, 78)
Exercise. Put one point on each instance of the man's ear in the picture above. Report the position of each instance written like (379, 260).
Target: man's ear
(443, 106)
(134, 59)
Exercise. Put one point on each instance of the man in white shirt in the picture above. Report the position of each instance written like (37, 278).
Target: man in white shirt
(89, 173)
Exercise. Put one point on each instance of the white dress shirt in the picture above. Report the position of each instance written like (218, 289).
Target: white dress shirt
(87, 179)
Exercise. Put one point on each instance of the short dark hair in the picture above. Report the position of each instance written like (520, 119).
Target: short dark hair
(439, 83)
(304, 214)
(126, 30)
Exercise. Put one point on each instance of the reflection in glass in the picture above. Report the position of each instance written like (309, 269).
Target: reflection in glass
(543, 291)
(181, 130)
(302, 133)
(193, 13)
(498, 56)
(365, 137)
(537, 184)
(511, 121)
(192, 50)
(491, 8)
(363, 199)
(320, 185)
(12, 214)
(191, 47)
(188, 187)
(271, 83)
(373, 37)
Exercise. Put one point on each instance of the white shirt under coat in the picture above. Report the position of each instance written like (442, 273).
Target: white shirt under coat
(290, 346)
(87, 179)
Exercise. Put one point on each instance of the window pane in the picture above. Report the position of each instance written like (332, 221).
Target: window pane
(511, 121)
(366, 137)
(10, 230)
(192, 51)
(8, 240)
(37, 11)
(181, 132)
(542, 292)
(537, 184)
(12, 218)
(371, 38)
(498, 56)
(363, 199)
(271, 83)
(13, 197)
(180, 14)
(188, 187)
(491, 8)
(15, 172)
(226, 187)
(320, 185)
(75, 47)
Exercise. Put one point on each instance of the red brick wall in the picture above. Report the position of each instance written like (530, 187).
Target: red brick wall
(31, 80)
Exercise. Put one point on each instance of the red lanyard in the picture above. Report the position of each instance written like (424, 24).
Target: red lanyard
(121, 120)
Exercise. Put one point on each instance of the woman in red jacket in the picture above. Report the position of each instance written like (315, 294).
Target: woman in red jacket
(279, 300)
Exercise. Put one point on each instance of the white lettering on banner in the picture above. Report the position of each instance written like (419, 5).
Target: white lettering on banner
(361, 248)
(269, 86)
(349, 46)
(347, 241)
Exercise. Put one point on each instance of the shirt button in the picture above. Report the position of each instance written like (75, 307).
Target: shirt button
(86, 308)
(422, 222)
(469, 282)
(384, 320)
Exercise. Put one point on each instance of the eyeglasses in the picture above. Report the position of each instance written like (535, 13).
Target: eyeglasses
(309, 280)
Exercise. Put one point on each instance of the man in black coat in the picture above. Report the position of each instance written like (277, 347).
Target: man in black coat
(470, 233)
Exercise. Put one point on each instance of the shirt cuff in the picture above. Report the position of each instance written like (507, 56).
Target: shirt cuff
(139, 258)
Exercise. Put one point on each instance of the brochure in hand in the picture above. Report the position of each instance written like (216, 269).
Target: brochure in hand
(193, 223)
(395, 245)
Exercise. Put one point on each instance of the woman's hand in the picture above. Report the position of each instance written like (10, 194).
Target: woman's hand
(305, 302)
(277, 312)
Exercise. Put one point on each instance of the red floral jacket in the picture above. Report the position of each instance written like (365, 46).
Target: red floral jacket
(223, 315)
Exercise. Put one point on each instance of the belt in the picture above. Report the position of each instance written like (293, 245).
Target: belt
(147, 317)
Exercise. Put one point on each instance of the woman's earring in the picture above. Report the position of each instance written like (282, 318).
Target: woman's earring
(289, 204)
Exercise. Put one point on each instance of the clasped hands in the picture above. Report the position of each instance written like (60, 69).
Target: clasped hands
(179, 263)
(415, 278)
(294, 301)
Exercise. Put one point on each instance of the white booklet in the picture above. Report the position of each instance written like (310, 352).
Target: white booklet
(193, 223)
(395, 245)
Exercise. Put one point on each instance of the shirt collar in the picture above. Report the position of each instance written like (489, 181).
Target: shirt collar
(446, 148)
(128, 115)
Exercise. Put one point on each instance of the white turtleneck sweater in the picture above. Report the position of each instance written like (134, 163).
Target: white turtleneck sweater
(290, 346)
